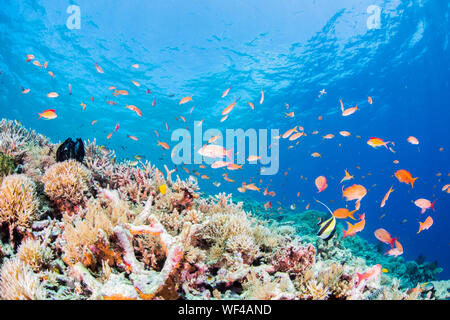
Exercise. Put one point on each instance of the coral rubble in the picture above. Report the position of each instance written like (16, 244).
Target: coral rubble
(99, 229)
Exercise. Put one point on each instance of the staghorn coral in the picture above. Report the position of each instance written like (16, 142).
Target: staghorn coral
(19, 282)
(67, 184)
(18, 203)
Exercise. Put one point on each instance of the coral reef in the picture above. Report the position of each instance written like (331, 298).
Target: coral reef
(116, 231)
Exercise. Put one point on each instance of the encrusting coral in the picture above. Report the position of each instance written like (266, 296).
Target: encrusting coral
(115, 231)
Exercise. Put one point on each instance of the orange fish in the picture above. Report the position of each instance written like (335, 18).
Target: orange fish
(369, 99)
(289, 132)
(384, 236)
(344, 133)
(424, 204)
(347, 176)
(372, 273)
(37, 63)
(386, 197)
(321, 183)
(137, 84)
(109, 136)
(396, 161)
(29, 57)
(377, 142)
(253, 158)
(262, 97)
(212, 139)
(295, 136)
(446, 188)
(228, 109)
(52, 95)
(219, 164)
(354, 192)
(163, 145)
(269, 193)
(224, 118)
(93, 122)
(353, 229)
(328, 136)
(135, 66)
(51, 74)
(343, 213)
(99, 69)
(252, 187)
(397, 250)
(268, 205)
(233, 166)
(83, 105)
(316, 154)
(413, 140)
(132, 137)
(122, 92)
(342, 105)
(25, 91)
(349, 111)
(185, 100)
(224, 94)
(405, 177)
(251, 105)
(48, 114)
(135, 109)
(290, 114)
(426, 224)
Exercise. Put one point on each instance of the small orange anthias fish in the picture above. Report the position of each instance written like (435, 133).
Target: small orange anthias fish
(354, 192)
(224, 94)
(377, 142)
(370, 274)
(353, 229)
(397, 250)
(349, 111)
(343, 213)
(369, 99)
(424, 204)
(425, 225)
(405, 177)
(321, 183)
(386, 197)
(48, 114)
(347, 176)
(413, 140)
(384, 236)
(185, 100)
(269, 193)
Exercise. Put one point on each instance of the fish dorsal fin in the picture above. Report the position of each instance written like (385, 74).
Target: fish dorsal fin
(323, 205)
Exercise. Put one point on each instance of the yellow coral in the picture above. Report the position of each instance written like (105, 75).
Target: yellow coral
(67, 183)
(35, 254)
(18, 202)
(19, 282)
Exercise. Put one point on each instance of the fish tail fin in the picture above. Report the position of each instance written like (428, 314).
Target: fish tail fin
(420, 227)
(386, 144)
(350, 214)
(40, 116)
(360, 277)
(392, 242)
(432, 204)
(412, 181)
(344, 233)
(229, 154)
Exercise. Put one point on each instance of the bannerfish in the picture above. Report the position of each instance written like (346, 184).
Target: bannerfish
(327, 228)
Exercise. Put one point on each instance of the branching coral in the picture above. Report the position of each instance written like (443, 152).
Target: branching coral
(67, 184)
(19, 282)
(34, 254)
(18, 203)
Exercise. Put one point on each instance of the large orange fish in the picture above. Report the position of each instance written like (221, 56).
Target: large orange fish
(372, 273)
(424, 204)
(353, 229)
(48, 114)
(384, 236)
(354, 192)
(386, 197)
(405, 177)
(343, 213)
(426, 224)
(321, 183)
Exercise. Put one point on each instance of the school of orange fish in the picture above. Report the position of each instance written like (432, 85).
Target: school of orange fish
(355, 192)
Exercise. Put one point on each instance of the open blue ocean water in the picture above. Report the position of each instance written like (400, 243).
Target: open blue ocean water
(396, 52)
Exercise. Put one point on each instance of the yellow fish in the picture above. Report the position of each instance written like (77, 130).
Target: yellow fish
(163, 189)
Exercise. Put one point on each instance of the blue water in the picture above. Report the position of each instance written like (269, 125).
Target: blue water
(291, 50)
